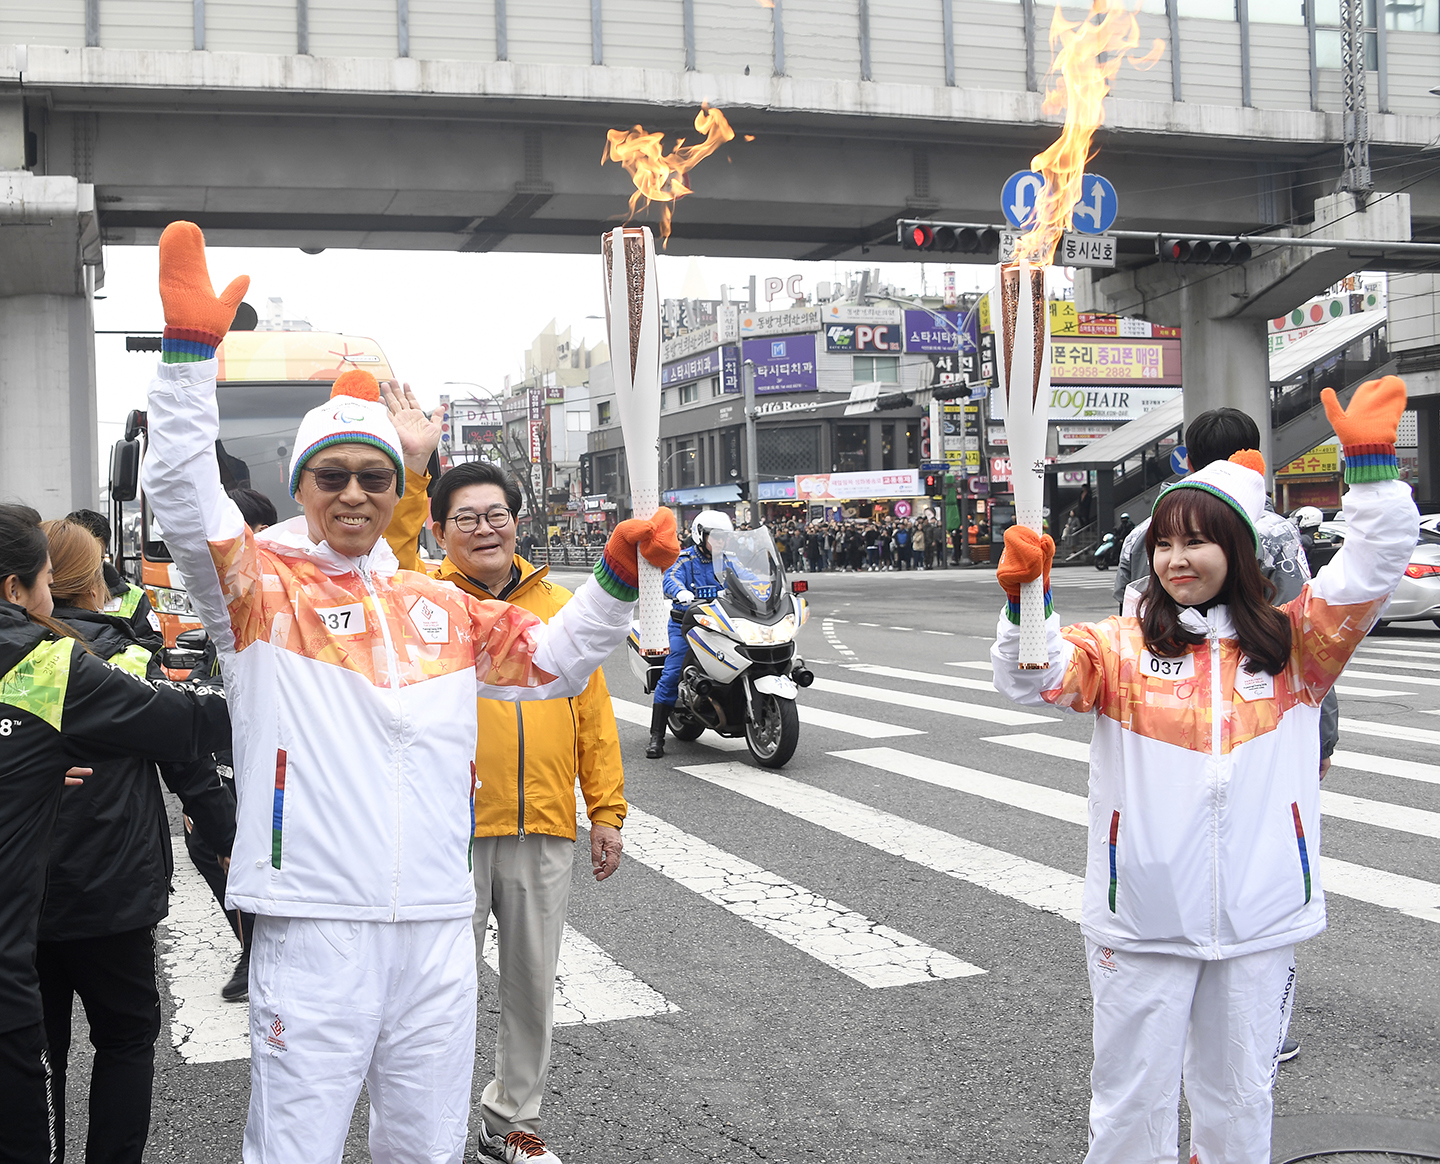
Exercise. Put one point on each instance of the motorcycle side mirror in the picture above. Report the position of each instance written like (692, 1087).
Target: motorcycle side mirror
(800, 587)
(192, 640)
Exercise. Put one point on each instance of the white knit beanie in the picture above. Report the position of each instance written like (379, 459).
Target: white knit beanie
(1239, 482)
(354, 414)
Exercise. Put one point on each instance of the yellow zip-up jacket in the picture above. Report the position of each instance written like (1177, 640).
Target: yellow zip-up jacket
(528, 754)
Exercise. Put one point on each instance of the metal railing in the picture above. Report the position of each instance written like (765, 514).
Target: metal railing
(577, 557)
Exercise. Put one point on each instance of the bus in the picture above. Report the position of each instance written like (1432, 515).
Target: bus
(266, 381)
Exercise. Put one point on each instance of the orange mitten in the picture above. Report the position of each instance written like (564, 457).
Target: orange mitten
(652, 538)
(192, 309)
(1368, 428)
(1027, 557)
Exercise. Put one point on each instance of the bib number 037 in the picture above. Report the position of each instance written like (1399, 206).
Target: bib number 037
(1158, 667)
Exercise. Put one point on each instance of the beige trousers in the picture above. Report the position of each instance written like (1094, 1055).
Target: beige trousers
(526, 885)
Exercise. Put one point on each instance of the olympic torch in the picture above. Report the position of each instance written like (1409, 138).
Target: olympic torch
(1024, 360)
(632, 313)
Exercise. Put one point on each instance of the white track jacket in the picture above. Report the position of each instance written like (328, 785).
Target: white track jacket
(352, 688)
(1204, 780)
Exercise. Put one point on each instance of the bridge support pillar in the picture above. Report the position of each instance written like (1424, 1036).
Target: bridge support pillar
(50, 266)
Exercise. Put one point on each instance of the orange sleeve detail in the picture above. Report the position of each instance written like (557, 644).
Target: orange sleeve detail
(237, 565)
(505, 644)
(403, 533)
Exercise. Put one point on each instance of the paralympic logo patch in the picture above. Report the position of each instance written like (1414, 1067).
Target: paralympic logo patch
(273, 1039)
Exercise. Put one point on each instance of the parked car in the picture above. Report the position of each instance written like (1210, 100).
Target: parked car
(1418, 595)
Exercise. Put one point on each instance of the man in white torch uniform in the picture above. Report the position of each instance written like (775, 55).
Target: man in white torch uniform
(351, 688)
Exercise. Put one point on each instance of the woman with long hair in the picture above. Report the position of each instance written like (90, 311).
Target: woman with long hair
(1203, 867)
(109, 879)
(60, 705)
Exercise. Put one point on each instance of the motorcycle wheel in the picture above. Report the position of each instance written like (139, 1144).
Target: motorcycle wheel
(773, 735)
(684, 727)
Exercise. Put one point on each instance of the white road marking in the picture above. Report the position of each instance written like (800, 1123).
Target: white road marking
(1003, 716)
(1366, 660)
(1420, 680)
(874, 624)
(1413, 652)
(198, 956)
(921, 676)
(1028, 882)
(870, 729)
(872, 954)
(1388, 731)
(1408, 895)
(639, 713)
(1368, 692)
(975, 665)
(947, 634)
(1387, 766)
(901, 628)
(590, 986)
(1337, 804)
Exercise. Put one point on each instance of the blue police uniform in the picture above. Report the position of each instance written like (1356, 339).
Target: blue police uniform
(696, 574)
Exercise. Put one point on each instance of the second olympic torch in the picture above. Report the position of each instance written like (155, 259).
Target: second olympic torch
(632, 312)
(1024, 367)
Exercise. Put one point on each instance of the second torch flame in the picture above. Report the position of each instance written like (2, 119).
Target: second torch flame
(1084, 60)
(658, 176)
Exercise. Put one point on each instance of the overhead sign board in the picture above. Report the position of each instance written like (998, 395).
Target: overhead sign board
(852, 313)
(863, 337)
(694, 368)
(1086, 250)
(848, 486)
(796, 319)
(1112, 402)
(782, 363)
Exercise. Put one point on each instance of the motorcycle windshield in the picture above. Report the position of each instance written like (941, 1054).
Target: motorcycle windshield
(751, 573)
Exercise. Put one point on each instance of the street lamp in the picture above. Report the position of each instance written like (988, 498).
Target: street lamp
(690, 452)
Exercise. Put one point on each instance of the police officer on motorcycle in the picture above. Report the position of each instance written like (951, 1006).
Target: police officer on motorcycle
(690, 579)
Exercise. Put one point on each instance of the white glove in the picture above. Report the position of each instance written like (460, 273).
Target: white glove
(684, 597)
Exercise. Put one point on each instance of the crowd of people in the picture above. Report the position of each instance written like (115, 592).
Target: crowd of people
(376, 755)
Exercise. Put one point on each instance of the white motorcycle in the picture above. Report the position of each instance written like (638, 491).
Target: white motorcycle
(741, 672)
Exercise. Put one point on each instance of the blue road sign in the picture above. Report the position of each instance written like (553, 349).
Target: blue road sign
(1095, 212)
(1177, 459)
(1019, 196)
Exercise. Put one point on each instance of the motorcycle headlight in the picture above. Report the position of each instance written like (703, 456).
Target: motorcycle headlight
(707, 622)
(169, 601)
(754, 634)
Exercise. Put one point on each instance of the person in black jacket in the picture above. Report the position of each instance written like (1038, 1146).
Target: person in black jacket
(109, 882)
(59, 705)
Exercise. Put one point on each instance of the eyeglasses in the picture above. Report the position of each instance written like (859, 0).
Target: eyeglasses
(496, 518)
(329, 479)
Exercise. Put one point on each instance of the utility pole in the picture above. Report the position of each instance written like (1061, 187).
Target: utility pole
(963, 488)
(1355, 178)
(752, 462)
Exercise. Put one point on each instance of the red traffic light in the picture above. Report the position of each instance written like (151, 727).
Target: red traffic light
(922, 238)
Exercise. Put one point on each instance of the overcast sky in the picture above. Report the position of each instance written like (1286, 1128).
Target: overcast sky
(438, 316)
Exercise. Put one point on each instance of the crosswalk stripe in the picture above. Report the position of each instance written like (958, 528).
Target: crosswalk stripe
(1369, 692)
(1415, 652)
(1388, 661)
(1420, 680)
(639, 713)
(1389, 731)
(198, 957)
(1004, 716)
(920, 676)
(872, 954)
(1028, 882)
(1037, 798)
(855, 725)
(975, 665)
(590, 986)
(1380, 813)
(1409, 895)
(1387, 766)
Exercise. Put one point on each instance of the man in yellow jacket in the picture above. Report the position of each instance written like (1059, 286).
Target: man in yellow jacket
(525, 803)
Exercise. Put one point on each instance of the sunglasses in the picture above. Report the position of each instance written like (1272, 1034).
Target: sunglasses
(333, 480)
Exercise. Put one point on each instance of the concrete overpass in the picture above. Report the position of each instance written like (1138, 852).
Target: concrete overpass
(476, 126)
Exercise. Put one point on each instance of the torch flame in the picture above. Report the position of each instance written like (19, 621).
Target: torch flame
(658, 176)
(1084, 60)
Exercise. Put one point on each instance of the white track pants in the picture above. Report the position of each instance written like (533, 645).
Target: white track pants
(1219, 1024)
(335, 1003)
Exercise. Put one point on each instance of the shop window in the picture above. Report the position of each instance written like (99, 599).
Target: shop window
(852, 447)
(1277, 11)
(716, 388)
(689, 393)
(577, 422)
(1328, 35)
(876, 369)
(685, 463)
(602, 413)
(887, 446)
(788, 451)
(1412, 15)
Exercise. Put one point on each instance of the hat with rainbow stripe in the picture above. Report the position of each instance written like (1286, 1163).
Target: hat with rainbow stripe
(1239, 482)
(354, 415)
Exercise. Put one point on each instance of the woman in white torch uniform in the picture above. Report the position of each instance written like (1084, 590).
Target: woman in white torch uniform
(352, 690)
(1203, 862)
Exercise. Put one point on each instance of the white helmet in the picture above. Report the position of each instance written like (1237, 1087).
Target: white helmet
(1307, 517)
(707, 521)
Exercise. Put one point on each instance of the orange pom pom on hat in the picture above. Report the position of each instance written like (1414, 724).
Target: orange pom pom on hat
(1239, 482)
(354, 415)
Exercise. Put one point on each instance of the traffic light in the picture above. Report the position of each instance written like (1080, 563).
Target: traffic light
(587, 474)
(932, 236)
(894, 400)
(951, 392)
(1197, 250)
(934, 484)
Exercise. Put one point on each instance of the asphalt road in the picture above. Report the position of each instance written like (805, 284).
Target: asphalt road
(765, 1035)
